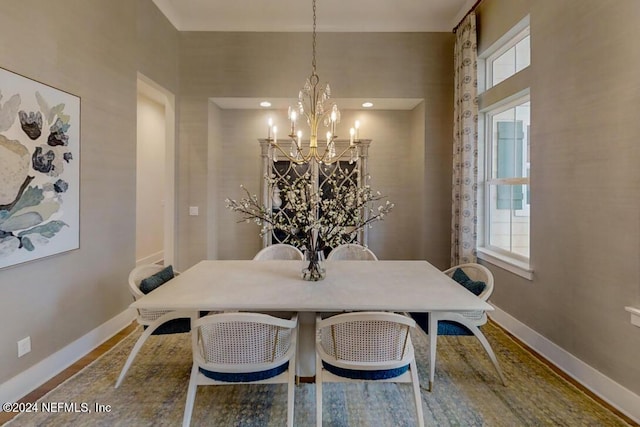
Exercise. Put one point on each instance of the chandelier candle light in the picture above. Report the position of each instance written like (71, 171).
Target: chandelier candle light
(314, 104)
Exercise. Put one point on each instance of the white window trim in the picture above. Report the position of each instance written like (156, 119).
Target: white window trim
(508, 102)
(510, 262)
(520, 268)
(491, 58)
(504, 43)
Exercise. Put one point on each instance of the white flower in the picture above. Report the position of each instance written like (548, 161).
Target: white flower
(340, 217)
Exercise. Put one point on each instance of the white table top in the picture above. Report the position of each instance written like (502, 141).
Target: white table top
(414, 286)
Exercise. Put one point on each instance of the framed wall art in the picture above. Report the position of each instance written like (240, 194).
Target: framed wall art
(39, 170)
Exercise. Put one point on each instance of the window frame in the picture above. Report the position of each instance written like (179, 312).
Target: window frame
(504, 43)
(509, 260)
(489, 181)
(490, 59)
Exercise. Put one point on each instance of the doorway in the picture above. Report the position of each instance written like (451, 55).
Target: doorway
(155, 174)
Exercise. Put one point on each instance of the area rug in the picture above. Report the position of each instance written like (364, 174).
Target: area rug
(467, 392)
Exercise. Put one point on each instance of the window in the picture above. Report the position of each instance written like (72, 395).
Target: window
(514, 56)
(506, 185)
(505, 161)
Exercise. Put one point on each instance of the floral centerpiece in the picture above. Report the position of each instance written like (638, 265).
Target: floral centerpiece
(318, 218)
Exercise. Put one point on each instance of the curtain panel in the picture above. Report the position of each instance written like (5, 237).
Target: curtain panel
(465, 144)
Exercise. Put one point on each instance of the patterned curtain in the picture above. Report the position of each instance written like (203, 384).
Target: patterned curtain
(465, 144)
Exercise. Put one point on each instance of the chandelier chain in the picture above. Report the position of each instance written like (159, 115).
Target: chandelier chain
(313, 59)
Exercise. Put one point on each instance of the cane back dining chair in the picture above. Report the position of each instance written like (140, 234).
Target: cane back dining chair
(352, 251)
(154, 322)
(365, 346)
(232, 348)
(479, 280)
(279, 251)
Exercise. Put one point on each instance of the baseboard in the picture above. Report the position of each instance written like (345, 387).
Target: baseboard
(150, 259)
(602, 386)
(27, 381)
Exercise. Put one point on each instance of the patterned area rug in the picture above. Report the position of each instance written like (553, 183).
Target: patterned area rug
(467, 392)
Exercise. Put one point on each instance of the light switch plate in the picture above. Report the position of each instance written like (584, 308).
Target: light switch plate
(24, 346)
(193, 211)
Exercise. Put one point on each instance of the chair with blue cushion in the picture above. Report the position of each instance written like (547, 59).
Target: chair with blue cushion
(232, 348)
(365, 346)
(279, 251)
(479, 280)
(142, 280)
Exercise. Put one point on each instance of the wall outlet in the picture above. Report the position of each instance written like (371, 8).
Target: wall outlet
(193, 210)
(24, 346)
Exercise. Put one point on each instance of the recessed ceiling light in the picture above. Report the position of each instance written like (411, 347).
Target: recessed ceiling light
(265, 104)
(367, 104)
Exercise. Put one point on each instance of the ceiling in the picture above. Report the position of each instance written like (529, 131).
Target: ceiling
(332, 15)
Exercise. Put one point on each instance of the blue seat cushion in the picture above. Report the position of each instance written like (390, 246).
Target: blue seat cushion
(475, 286)
(445, 327)
(245, 377)
(156, 280)
(173, 326)
(356, 374)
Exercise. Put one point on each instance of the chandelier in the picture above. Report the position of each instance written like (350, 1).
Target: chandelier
(315, 105)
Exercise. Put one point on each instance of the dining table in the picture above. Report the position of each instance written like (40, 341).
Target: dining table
(276, 286)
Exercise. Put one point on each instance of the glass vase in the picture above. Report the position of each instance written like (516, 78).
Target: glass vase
(313, 269)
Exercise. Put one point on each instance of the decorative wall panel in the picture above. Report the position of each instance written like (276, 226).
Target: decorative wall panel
(284, 172)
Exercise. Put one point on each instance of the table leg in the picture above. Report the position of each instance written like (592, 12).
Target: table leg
(306, 356)
(433, 338)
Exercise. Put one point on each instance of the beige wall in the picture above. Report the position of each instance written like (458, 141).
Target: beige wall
(585, 180)
(157, 46)
(391, 65)
(89, 49)
(396, 166)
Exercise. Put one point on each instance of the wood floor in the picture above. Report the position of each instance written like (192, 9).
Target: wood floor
(567, 378)
(111, 342)
(71, 370)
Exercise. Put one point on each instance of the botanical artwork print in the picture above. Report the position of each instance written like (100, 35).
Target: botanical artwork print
(39, 170)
